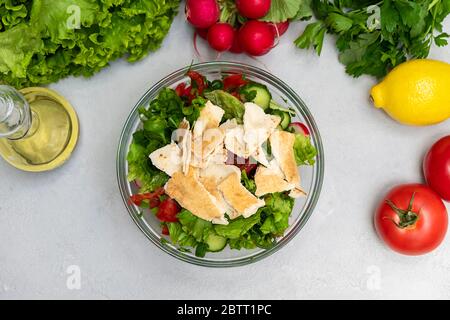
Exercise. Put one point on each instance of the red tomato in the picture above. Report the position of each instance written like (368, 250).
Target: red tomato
(412, 219)
(197, 81)
(168, 210)
(233, 82)
(253, 9)
(165, 230)
(152, 197)
(436, 167)
(181, 89)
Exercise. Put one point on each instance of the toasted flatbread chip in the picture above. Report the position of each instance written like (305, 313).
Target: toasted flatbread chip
(212, 176)
(234, 141)
(282, 146)
(260, 156)
(167, 159)
(238, 197)
(212, 115)
(270, 180)
(184, 137)
(229, 124)
(193, 196)
(258, 126)
(297, 192)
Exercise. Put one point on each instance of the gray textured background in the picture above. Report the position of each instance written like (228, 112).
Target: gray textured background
(75, 216)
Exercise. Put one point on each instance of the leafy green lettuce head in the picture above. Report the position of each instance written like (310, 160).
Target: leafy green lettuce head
(42, 41)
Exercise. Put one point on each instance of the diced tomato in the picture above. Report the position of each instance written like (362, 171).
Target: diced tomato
(165, 230)
(152, 197)
(233, 82)
(184, 91)
(236, 95)
(168, 210)
(181, 89)
(197, 81)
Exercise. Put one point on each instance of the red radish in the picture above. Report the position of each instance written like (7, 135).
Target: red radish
(281, 26)
(202, 13)
(300, 128)
(253, 9)
(203, 33)
(256, 37)
(221, 36)
(236, 47)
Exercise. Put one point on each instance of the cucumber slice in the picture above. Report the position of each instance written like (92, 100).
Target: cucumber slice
(262, 98)
(275, 106)
(285, 119)
(216, 243)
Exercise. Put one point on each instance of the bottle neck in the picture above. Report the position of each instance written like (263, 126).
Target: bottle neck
(15, 114)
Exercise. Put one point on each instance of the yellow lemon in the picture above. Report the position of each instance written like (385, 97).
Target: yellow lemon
(416, 92)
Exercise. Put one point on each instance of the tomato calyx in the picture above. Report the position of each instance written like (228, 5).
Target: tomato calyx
(408, 217)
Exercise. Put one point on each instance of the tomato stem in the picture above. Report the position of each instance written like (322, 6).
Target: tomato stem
(407, 217)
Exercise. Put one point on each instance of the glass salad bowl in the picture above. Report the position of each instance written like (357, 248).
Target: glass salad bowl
(312, 176)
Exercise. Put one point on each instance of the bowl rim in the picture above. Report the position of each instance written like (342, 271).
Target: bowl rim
(310, 203)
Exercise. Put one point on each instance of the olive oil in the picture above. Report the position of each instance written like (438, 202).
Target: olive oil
(39, 128)
(49, 132)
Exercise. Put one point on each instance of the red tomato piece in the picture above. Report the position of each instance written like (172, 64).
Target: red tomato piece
(168, 210)
(152, 197)
(197, 81)
(165, 230)
(234, 82)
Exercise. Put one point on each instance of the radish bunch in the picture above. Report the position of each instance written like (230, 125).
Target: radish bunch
(238, 30)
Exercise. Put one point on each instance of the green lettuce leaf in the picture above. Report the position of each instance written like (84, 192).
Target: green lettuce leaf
(51, 47)
(179, 236)
(194, 226)
(277, 210)
(305, 152)
(237, 227)
(231, 105)
(248, 183)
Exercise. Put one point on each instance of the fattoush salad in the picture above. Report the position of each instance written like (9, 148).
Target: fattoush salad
(217, 163)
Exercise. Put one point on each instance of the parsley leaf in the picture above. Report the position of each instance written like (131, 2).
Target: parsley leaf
(371, 44)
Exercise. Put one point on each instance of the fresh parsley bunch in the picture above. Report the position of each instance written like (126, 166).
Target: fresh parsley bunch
(375, 36)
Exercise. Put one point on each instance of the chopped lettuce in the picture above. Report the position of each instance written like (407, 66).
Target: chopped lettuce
(305, 152)
(277, 210)
(160, 119)
(237, 227)
(248, 183)
(233, 107)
